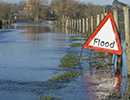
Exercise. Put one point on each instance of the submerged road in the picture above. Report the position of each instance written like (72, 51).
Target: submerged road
(29, 55)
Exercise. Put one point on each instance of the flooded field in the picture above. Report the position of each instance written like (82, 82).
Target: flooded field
(30, 56)
(41, 62)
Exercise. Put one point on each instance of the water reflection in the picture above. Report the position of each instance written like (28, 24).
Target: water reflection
(33, 32)
(68, 31)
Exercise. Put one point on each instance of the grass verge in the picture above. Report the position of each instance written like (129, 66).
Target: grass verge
(70, 60)
(66, 76)
(49, 98)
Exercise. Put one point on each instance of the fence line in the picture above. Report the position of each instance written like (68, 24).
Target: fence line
(87, 25)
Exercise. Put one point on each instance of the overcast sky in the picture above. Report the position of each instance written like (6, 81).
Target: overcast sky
(105, 1)
(91, 1)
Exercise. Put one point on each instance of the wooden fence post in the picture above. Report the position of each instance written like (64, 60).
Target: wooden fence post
(74, 24)
(63, 20)
(115, 14)
(80, 25)
(83, 25)
(92, 28)
(69, 22)
(66, 25)
(87, 25)
(102, 16)
(98, 19)
(127, 34)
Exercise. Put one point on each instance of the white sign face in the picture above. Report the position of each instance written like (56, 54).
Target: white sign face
(105, 38)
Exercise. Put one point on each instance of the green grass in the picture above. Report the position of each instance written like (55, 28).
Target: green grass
(75, 45)
(69, 60)
(99, 65)
(65, 76)
(73, 38)
(49, 98)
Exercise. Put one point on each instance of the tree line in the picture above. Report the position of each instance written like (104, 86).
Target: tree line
(74, 8)
(55, 9)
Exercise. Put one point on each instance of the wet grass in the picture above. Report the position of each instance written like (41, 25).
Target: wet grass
(73, 38)
(70, 60)
(99, 65)
(102, 61)
(49, 98)
(66, 76)
(75, 45)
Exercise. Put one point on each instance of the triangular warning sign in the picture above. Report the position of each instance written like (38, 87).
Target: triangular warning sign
(106, 37)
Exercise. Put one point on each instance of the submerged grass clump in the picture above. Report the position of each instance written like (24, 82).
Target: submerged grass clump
(75, 45)
(99, 65)
(66, 76)
(73, 38)
(49, 98)
(69, 60)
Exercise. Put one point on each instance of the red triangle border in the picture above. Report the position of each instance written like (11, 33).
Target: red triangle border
(119, 51)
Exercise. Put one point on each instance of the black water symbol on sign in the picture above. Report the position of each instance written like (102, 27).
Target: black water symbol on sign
(101, 43)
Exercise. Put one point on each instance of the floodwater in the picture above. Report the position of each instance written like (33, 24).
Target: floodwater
(29, 56)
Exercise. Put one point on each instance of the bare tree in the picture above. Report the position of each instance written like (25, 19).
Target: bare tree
(5, 10)
(66, 7)
(36, 9)
(74, 8)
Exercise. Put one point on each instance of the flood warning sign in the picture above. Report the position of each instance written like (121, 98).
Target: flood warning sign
(106, 37)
